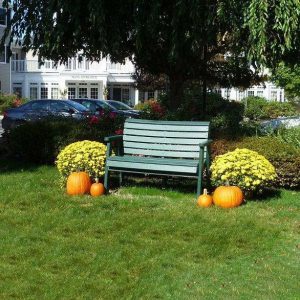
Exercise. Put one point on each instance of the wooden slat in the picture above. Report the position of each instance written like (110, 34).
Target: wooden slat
(161, 146)
(167, 127)
(175, 141)
(160, 153)
(153, 167)
(154, 160)
(156, 133)
(181, 123)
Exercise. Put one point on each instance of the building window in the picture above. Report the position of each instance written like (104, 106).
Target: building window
(33, 93)
(94, 93)
(82, 92)
(2, 55)
(141, 96)
(274, 95)
(2, 16)
(227, 93)
(150, 95)
(54, 93)
(71, 92)
(125, 95)
(250, 93)
(17, 90)
(44, 93)
(260, 93)
(241, 95)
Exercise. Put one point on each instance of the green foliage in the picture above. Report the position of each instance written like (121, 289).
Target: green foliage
(258, 108)
(280, 109)
(151, 110)
(288, 77)
(255, 107)
(290, 136)
(9, 101)
(244, 168)
(41, 141)
(224, 115)
(87, 156)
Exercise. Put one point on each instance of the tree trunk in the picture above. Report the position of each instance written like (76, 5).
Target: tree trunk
(204, 91)
(176, 84)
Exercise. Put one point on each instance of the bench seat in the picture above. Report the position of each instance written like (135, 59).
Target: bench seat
(164, 165)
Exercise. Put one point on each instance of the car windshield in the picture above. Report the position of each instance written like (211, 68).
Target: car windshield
(105, 105)
(119, 105)
(77, 106)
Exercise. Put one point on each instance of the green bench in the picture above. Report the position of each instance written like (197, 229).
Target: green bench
(172, 148)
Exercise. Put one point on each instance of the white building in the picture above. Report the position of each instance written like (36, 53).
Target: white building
(5, 80)
(268, 90)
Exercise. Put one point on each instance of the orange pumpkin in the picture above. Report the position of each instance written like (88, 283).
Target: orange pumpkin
(78, 183)
(228, 196)
(205, 200)
(97, 189)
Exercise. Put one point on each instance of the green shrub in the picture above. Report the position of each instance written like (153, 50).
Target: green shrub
(224, 115)
(290, 136)
(284, 157)
(151, 110)
(41, 141)
(280, 109)
(10, 101)
(255, 107)
(258, 108)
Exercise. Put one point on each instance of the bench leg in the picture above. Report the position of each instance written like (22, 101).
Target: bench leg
(199, 181)
(121, 177)
(106, 180)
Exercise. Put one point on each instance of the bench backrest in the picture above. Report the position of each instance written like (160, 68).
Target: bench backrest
(173, 139)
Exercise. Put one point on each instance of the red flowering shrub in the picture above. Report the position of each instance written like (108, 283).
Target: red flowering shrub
(152, 110)
(9, 101)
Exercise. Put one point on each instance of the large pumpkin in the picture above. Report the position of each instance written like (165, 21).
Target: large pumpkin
(78, 183)
(228, 196)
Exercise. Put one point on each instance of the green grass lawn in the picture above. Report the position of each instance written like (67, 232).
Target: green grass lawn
(142, 243)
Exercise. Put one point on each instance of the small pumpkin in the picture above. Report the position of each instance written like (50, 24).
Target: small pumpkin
(97, 189)
(205, 200)
(228, 196)
(78, 183)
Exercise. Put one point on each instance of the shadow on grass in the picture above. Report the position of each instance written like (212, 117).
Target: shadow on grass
(182, 185)
(8, 165)
(266, 195)
(176, 184)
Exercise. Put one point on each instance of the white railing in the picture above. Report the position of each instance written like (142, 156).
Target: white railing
(48, 65)
(118, 68)
(32, 66)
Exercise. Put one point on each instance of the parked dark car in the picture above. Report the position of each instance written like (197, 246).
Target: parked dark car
(97, 105)
(41, 109)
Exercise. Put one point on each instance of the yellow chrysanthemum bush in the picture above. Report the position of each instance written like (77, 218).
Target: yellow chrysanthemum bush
(85, 156)
(244, 168)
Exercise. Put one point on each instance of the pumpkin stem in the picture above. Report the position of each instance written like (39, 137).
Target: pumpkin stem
(227, 183)
(97, 180)
(204, 191)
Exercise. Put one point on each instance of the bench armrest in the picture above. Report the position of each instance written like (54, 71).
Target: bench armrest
(204, 144)
(113, 138)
